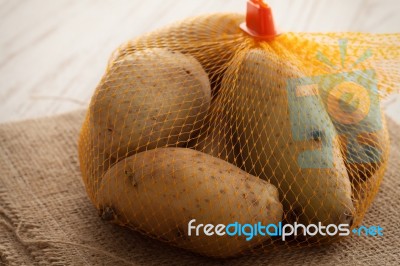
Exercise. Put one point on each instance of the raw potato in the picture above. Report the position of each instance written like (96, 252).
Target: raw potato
(135, 108)
(159, 191)
(148, 99)
(260, 110)
(354, 118)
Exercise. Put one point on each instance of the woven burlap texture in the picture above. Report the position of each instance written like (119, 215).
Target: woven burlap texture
(46, 217)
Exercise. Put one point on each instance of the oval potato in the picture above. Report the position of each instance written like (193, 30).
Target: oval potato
(151, 98)
(260, 109)
(159, 191)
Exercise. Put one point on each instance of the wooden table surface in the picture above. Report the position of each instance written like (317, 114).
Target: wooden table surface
(54, 52)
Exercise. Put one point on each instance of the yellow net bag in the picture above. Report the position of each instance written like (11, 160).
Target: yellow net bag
(222, 137)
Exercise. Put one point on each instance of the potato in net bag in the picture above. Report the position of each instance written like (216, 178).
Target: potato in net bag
(214, 133)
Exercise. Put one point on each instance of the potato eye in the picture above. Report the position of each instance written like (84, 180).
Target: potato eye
(316, 135)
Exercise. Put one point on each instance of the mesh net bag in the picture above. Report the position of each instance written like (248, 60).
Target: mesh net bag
(201, 133)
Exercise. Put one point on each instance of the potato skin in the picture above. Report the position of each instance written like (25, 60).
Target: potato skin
(151, 98)
(260, 110)
(358, 122)
(159, 191)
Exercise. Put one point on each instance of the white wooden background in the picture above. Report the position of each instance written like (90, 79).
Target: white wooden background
(53, 52)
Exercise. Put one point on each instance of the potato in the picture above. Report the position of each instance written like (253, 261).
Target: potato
(159, 191)
(364, 139)
(313, 187)
(152, 98)
(147, 99)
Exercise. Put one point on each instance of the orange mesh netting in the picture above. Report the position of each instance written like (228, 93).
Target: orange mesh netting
(200, 120)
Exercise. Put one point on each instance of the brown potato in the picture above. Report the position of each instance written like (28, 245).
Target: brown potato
(259, 107)
(151, 98)
(159, 191)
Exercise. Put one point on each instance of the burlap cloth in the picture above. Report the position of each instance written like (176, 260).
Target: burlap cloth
(46, 217)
